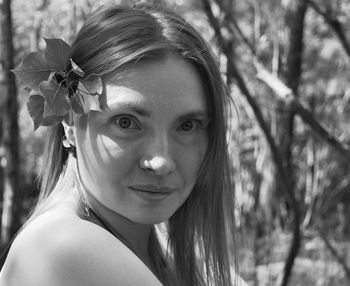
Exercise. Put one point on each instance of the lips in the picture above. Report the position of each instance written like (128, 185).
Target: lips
(153, 189)
(152, 194)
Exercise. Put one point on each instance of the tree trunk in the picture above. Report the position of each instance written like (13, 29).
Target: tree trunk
(285, 132)
(11, 212)
(295, 25)
(2, 153)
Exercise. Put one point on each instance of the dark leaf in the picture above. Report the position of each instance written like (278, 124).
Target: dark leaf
(93, 84)
(57, 102)
(76, 104)
(87, 101)
(56, 53)
(51, 120)
(37, 66)
(35, 106)
(32, 70)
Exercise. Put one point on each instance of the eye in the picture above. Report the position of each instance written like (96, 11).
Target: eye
(126, 122)
(191, 125)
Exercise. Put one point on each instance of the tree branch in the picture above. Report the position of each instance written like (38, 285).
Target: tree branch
(335, 253)
(334, 24)
(233, 26)
(286, 95)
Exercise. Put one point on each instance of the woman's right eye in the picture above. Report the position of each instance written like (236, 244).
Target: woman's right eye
(126, 122)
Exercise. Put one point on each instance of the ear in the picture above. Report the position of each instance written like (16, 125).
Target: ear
(69, 138)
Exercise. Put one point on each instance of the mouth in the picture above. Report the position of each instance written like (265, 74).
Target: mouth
(153, 188)
(152, 193)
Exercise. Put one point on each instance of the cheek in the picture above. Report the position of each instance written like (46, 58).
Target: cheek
(115, 157)
(100, 154)
(108, 149)
(192, 159)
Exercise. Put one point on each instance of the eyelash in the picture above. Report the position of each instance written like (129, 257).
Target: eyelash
(132, 121)
(197, 124)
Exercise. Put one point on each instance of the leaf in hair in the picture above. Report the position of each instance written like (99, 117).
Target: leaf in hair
(56, 93)
(32, 70)
(76, 104)
(35, 106)
(51, 120)
(56, 100)
(93, 84)
(87, 100)
(37, 66)
(76, 69)
(56, 53)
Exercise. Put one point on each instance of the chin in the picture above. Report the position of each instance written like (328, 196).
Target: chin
(151, 219)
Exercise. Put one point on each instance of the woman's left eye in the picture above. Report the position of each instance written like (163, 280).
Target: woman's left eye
(126, 122)
(190, 125)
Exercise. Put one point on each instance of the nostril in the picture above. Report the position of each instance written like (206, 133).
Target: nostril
(145, 164)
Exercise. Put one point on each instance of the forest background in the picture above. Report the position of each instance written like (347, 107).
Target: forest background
(286, 63)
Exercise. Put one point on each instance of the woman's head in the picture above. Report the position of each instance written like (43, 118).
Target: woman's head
(116, 37)
(116, 42)
(119, 42)
(140, 157)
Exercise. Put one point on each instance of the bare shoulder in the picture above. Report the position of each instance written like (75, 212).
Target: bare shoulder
(71, 251)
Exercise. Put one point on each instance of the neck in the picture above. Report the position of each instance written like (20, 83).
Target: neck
(136, 235)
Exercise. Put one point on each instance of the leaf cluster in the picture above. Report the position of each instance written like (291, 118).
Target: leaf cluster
(58, 88)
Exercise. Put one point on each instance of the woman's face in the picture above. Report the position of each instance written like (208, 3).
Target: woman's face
(141, 157)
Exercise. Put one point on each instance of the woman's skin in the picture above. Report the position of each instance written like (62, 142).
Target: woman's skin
(137, 163)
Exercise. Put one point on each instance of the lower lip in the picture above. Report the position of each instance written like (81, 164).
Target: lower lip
(151, 196)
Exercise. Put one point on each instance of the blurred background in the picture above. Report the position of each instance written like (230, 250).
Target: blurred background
(287, 65)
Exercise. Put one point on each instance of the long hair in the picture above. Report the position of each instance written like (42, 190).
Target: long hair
(201, 230)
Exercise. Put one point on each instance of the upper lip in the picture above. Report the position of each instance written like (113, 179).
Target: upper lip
(153, 188)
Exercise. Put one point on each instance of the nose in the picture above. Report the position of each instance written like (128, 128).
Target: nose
(157, 158)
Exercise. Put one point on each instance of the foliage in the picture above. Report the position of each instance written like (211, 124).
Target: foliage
(56, 93)
(315, 264)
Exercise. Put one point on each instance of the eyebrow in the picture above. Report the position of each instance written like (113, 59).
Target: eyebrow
(131, 107)
(144, 113)
(195, 114)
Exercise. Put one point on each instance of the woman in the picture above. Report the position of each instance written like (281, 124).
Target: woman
(141, 140)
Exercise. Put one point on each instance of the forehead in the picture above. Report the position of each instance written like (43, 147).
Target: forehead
(163, 82)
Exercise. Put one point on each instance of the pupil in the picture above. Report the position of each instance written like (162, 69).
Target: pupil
(188, 125)
(124, 122)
